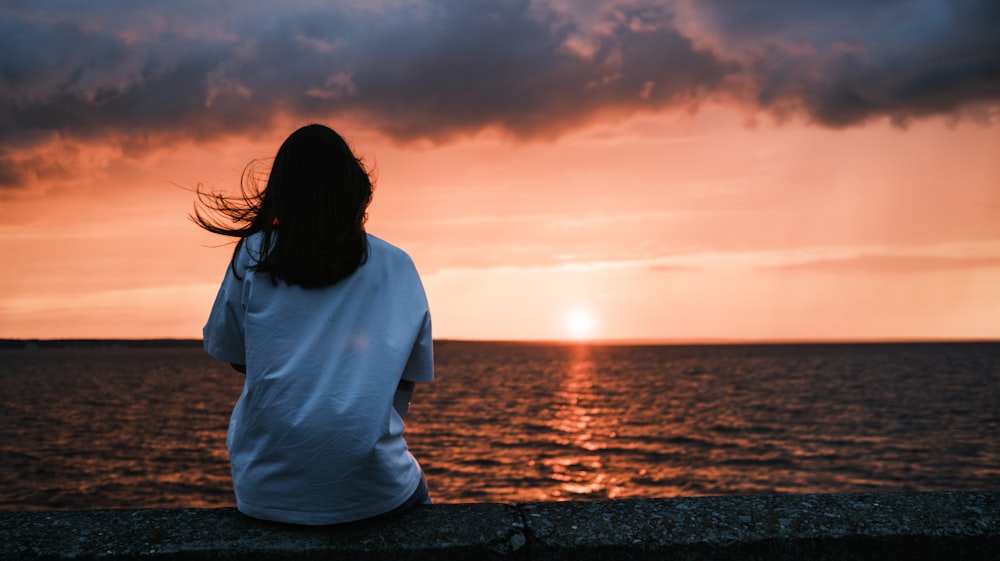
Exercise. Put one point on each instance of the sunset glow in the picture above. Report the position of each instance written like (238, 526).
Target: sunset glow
(580, 323)
(687, 170)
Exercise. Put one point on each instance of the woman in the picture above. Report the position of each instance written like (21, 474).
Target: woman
(331, 327)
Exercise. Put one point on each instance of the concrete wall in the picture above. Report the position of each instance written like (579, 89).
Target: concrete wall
(912, 526)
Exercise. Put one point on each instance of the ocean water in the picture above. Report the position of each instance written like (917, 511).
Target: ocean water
(145, 425)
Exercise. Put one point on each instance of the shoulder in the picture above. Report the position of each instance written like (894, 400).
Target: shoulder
(247, 252)
(382, 250)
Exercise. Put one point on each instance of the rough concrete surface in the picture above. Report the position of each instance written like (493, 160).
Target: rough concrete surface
(446, 532)
(912, 526)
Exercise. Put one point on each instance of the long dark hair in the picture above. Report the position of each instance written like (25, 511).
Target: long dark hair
(311, 214)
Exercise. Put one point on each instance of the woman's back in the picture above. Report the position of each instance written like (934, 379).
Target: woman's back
(314, 438)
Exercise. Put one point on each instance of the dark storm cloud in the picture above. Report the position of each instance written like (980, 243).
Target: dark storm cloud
(843, 63)
(429, 72)
(438, 70)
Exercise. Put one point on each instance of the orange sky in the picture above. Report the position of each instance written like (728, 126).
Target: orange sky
(709, 217)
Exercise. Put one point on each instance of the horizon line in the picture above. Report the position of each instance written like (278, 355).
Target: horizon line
(637, 341)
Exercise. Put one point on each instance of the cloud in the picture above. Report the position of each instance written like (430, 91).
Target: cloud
(893, 264)
(145, 74)
(844, 63)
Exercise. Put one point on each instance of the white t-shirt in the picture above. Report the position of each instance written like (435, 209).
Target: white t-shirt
(314, 438)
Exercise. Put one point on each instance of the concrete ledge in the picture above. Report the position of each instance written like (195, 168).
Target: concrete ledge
(915, 526)
(918, 526)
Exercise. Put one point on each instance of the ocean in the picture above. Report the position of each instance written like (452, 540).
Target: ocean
(143, 424)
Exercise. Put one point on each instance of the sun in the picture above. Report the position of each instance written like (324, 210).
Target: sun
(580, 323)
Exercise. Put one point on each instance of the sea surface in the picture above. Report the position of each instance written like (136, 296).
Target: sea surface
(144, 425)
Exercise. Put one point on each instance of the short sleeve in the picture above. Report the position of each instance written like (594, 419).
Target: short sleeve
(223, 333)
(420, 365)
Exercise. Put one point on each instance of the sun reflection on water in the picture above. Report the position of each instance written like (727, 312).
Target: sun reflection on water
(580, 426)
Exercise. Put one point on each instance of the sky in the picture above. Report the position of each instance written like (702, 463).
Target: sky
(557, 169)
